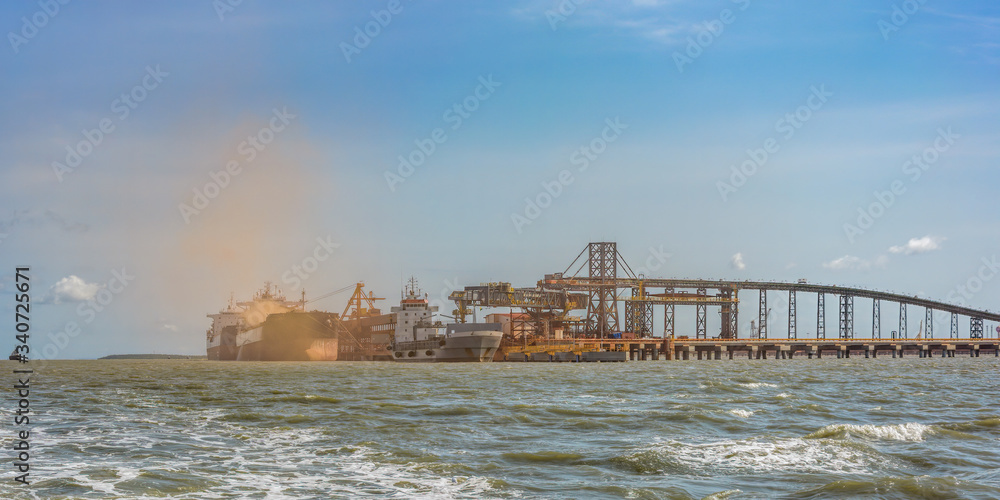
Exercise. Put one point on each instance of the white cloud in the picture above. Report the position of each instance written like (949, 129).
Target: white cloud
(737, 261)
(665, 22)
(163, 324)
(73, 289)
(850, 262)
(919, 245)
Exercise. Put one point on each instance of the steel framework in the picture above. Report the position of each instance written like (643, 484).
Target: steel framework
(762, 315)
(975, 328)
(821, 315)
(668, 316)
(876, 319)
(639, 315)
(929, 321)
(602, 311)
(607, 274)
(791, 315)
(846, 317)
(902, 321)
(729, 313)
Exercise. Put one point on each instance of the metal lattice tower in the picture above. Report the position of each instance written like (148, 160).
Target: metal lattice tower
(602, 312)
(668, 317)
(876, 319)
(728, 315)
(639, 315)
(846, 316)
(929, 321)
(975, 328)
(821, 315)
(902, 321)
(646, 319)
(734, 318)
(631, 317)
(701, 319)
(791, 315)
(954, 325)
(762, 315)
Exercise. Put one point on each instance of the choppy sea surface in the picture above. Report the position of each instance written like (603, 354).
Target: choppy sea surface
(850, 428)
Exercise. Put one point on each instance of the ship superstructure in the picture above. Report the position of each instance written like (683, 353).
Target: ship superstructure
(418, 338)
(221, 337)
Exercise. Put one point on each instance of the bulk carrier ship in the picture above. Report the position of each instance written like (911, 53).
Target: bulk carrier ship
(271, 328)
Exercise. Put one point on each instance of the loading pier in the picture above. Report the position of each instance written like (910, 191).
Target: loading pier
(546, 330)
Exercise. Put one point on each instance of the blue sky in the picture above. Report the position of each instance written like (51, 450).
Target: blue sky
(893, 85)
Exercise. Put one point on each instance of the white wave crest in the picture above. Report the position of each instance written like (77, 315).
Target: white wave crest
(756, 385)
(722, 495)
(899, 432)
(741, 413)
(785, 455)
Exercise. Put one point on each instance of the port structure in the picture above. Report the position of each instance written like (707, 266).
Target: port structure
(548, 310)
(609, 280)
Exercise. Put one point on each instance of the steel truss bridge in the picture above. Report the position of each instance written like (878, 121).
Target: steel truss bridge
(603, 287)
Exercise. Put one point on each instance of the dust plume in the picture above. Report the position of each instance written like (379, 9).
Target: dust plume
(257, 312)
(257, 225)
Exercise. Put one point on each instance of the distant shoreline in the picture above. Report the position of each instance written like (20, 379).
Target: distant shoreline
(153, 356)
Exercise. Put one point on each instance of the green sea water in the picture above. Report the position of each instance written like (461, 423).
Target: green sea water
(830, 428)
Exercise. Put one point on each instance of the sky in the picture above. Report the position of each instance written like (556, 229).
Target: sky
(158, 157)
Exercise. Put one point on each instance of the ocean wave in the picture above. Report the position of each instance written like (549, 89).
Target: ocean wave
(741, 413)
(756, 385)
(898, 432)
(365, 476)
(986, 424)
(756, 456)
(308, 399)
(723, 386)
(722, 495)
(901, 488)
(449, 411)
(543, 457)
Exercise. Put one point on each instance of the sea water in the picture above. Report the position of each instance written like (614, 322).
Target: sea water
(849, 428)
